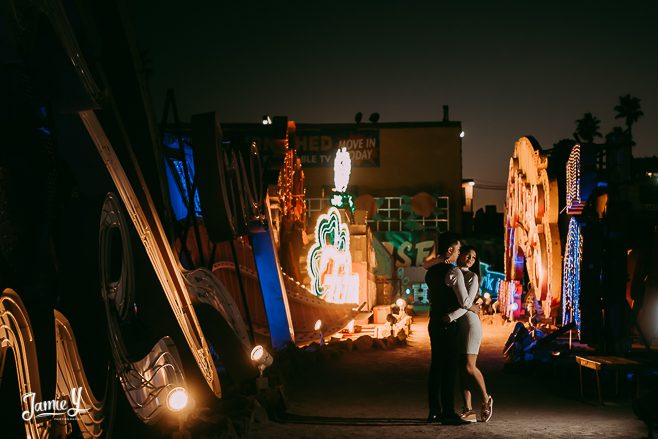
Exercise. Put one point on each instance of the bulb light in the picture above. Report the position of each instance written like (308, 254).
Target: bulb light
(177, 399)
(342, 169)
(574, 203)
(571, 275)
(257, 353)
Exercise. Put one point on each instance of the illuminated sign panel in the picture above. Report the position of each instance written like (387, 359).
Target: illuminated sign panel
(573, 256)
(574, 201)
(490, 280)
(532, 239)
(329, 261)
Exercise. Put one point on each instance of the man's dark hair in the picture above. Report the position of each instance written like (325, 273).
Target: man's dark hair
(445, 241)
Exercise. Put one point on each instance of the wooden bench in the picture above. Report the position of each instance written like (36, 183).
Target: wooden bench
(597, 363)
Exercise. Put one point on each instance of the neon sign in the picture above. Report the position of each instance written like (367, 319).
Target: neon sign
(329, 262)
(490, 279)
(342, 169)
(571, 280)
(574, 202)
(532, 239)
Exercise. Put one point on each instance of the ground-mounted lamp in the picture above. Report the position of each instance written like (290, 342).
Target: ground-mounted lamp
(262, 359)
(401, 304)
(319, 327)
(178, 400)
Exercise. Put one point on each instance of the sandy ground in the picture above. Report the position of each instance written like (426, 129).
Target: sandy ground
(382, 394)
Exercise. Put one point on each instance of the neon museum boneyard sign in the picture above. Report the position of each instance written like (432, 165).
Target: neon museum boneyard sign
(54, 407)
(329, 261)
(342, 170)
(532, 239)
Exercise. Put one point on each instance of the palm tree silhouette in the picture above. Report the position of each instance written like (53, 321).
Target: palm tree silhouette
(618, 136)
(587, 128)
(629, 110)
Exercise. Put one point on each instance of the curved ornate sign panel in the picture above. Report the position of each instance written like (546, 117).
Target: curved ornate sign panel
(330, 262)
(532, 240)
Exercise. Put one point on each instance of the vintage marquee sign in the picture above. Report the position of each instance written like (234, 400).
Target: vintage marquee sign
(532, 239)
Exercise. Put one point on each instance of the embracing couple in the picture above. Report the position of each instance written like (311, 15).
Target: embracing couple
(455, 333)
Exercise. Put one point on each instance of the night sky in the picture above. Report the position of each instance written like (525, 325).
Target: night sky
(506, 69)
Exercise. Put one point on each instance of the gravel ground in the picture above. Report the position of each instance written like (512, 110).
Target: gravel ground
(381, 394)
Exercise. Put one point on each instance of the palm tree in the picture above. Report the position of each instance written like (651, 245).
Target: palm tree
(587, 128)
(629, 110)
(618, 136)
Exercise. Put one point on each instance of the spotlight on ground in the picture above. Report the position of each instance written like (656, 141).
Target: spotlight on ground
(177, 399)
(261, 358)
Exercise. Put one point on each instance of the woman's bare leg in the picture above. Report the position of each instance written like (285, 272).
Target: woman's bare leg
(474, 372)
(465, 386)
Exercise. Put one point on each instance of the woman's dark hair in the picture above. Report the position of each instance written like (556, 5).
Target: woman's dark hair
(445, 241)
(476, 265)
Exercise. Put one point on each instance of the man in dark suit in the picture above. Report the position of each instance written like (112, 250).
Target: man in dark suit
(443, 333)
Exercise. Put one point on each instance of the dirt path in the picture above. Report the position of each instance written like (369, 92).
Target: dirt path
(381, 394)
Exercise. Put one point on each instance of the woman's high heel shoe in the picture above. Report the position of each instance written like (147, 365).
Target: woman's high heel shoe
(487, 409)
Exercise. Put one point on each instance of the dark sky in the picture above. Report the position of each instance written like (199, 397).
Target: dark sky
(506, 69)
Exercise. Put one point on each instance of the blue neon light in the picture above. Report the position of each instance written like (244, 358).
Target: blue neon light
(271, 285)
(489, 282)
(178, 185)
(571, 276)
